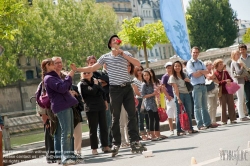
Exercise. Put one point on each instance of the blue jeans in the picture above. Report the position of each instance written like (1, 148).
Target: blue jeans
(64, 140)
(186, 100)
(140, 115)
(200, 106)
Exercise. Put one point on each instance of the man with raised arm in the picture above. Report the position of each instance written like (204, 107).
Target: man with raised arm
(121, 91)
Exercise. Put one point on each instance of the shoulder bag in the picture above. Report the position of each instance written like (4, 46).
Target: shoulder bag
(220, 88)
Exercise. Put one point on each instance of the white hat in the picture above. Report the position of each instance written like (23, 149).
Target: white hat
(168, 64)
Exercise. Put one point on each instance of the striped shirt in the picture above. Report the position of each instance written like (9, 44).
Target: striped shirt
(116, 67)
(138, 83)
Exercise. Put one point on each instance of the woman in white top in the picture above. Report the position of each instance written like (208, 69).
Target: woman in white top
(237, 68)
(177, 80)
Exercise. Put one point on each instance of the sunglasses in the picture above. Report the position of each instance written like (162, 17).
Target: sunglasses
(86, 73)
(139, 70)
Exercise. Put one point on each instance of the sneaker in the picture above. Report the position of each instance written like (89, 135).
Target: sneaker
(171, 132)
(69, 162)
(244, 119)
(79, 159)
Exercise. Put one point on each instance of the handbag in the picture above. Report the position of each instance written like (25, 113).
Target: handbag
(232, 87)
(76, 116)
(220, 88)
(44, 99)
(210, 86)
(162, 114)
(184, 119)
(136, 101)
(189, 86)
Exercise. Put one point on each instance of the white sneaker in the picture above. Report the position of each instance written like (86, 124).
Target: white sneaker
(171, 132)
(69, 162)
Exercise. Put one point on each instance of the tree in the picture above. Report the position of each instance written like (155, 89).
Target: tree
(71, 29)
(212, 23)
(142, 37)
(246, 37)
(11, 12)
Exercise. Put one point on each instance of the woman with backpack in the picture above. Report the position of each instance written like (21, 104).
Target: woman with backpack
(61, 102)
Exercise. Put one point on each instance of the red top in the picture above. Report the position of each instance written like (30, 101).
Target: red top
(222, 83)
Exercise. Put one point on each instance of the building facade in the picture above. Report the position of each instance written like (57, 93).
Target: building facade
(149, 12)
(243, 25)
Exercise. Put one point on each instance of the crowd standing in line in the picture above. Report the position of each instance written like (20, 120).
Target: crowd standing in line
(113, 91)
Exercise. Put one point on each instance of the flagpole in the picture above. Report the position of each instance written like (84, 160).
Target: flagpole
(185, 23)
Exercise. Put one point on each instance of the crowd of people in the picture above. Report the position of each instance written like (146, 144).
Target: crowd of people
(129, 96)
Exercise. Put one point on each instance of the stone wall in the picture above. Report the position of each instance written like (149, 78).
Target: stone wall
(16, 97)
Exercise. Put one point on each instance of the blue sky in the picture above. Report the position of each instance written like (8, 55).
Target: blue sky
(242, 7)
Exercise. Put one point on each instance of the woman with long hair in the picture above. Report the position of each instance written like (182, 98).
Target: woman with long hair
(148, 93)
(159, 87)
(61, 102)
(137, 85)
(182, 97)
(237, 68)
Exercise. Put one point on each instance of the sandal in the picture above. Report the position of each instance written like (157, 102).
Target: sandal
(202, 128)
(193, 131)
(180, 133)
(163, 137)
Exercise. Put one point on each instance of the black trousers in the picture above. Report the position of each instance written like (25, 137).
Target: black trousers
(95, 118)
(247, 95)
(49, 143)
(118, 96)
(154, 121)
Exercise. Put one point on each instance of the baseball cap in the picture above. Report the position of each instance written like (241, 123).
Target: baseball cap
(168, 64)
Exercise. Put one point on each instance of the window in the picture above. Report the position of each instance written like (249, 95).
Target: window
(156, 52)
(28, 61)
(18, 62)
(29, 74)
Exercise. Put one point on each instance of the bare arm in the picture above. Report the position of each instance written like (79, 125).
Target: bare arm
(176, 91)
(132, 60)
(136, 90)
(93, 68)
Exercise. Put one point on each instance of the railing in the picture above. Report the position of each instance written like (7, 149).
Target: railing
(6, 133)
(122, 9)
(6, 130)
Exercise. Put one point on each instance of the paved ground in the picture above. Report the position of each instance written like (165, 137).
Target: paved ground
(177, 151)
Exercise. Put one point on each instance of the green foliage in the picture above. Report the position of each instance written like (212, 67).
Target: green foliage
(72, 30)
(150, 33)
(11, 12)
(211, 23)
(142, 37)
(246, 37)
